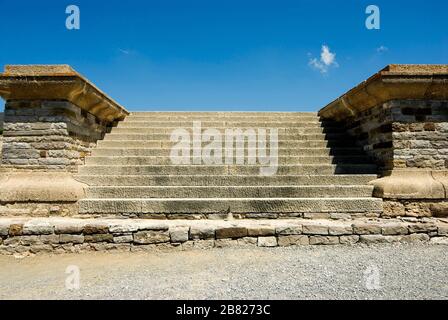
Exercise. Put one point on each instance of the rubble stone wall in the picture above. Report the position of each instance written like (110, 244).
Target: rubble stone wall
(48, 135)
(404, 134)
(32, 236)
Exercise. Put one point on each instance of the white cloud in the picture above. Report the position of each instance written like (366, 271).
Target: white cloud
(125, 51)
(327, 60)
(382, 49)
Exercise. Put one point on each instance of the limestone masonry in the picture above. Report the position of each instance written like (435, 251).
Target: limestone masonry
(372, 166)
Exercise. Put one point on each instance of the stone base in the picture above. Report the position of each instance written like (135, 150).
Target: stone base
(412, 184)
(39, 194)
(25, 236)
(415, 208)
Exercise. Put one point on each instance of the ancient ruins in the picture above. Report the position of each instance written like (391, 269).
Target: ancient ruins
(80, 172)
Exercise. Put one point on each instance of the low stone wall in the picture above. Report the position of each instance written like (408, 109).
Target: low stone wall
(31, 236)
(408, 134)
(48, 135)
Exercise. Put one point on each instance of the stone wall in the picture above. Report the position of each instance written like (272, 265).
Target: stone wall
(31, 236)
(404, 134)
(48, 135)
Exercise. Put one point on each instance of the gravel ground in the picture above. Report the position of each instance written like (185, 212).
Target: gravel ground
(312, 272)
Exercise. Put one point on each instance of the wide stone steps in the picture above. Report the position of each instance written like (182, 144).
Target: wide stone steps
(318, 152)
(285, 160)
(132, 144)
(320, 170)
(229, 191)
(163, 136)
(138, 206)
(227, 169)
(224, 180)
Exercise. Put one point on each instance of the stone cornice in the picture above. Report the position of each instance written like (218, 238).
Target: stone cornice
(58, 82)
(414, 82)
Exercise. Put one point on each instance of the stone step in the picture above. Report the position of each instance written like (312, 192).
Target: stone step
(297, 119)
(153, 160)
(337, 151)
(281, 130)
(161, 136)
(133, 144)
(230, 192)
(223, 180)
(226, 169)
(117, 206)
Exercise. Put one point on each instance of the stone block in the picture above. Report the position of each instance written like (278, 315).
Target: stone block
(267, 242)
(324, 240)
(260, 231)
(96, 229)
(350, 240)
(127, 238)
(288, 230)
(37, 228)
(366, 228)
(231, 232)
(71, 238)
(340, 230)
(202, 232)
(293, 240)
(315, 229)
(15, 230)
(151, 237)
(394, 229)
(180, 234)
(99, 237)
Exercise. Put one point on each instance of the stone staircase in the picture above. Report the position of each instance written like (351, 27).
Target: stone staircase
(321, 171)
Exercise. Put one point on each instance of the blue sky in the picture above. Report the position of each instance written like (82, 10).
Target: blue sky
(223, 54)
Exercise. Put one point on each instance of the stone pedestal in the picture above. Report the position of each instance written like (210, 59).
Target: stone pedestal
(53, 118)
(400, 117)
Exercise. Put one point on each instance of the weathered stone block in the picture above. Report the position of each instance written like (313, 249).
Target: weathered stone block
(288, 230)
(151, 237)
(422, 227)
(71, 238)
(260, 231)
(415, 238)
(267, 241)
(15, 230)
(292, 240)
(128, 238)
(247, 241)
(339, 230)
(180, 234)
(99, 237)
(49, 239)
(374, 238)
(96, 229)
(366, 228)
(225, 243)
(69, 228)
(37, 227)
(202, 232)
(231, 232)
(394, 229)
(349, 239)
(324, 240)
(315, 229)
